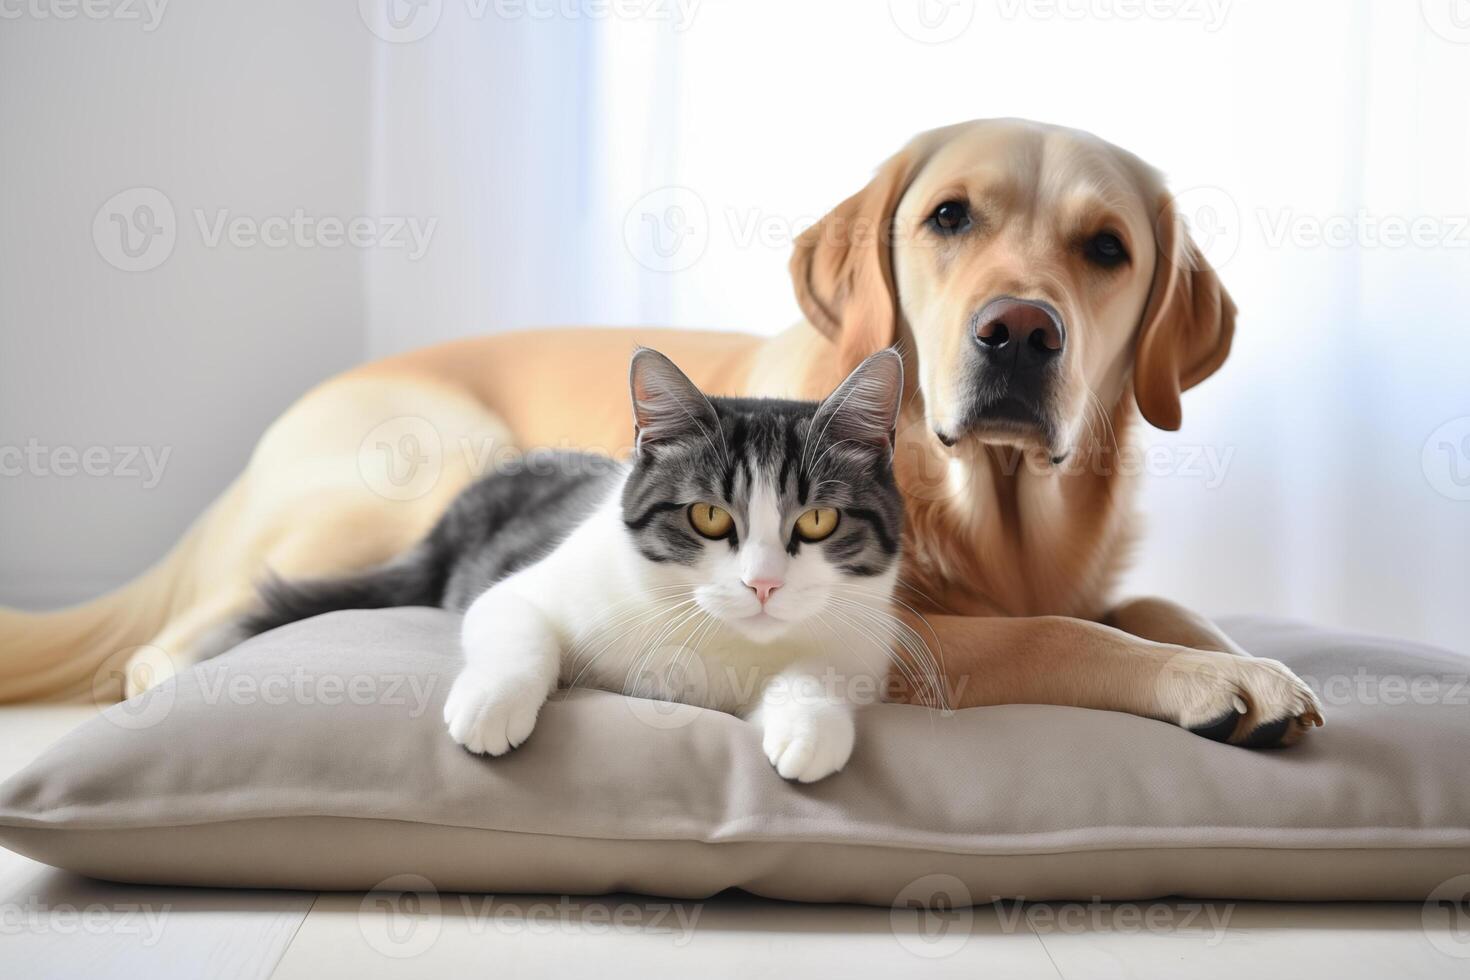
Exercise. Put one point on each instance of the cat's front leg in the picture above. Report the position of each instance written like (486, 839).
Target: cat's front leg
(807, 728)
(511, 666)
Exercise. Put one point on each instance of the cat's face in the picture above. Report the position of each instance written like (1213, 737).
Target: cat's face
(771, 512)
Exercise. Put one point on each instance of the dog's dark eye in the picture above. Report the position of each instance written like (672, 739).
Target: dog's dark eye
(951, 217)
(1105, 250)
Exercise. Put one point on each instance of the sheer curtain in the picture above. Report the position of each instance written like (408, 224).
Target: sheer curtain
(651, 163)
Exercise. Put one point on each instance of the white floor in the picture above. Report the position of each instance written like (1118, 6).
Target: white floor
(54, 924)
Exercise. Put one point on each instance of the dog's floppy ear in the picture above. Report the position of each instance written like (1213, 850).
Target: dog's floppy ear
(1187, 325)
(843, 266)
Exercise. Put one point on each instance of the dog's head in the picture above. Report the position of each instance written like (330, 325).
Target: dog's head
(1031, 269)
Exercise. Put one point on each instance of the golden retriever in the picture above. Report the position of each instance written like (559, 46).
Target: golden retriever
(1044, 293)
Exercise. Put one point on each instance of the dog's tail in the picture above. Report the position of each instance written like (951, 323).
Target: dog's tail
(415, 578)
(64, 655)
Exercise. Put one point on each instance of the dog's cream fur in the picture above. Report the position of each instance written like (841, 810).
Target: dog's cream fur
(1011, 558)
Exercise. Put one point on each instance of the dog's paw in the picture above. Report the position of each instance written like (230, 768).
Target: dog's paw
(490, 714)
(809, 745)
(1246, 701)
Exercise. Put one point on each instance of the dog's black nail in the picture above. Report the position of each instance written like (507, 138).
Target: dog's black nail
(1268, 735)
(1218, 730)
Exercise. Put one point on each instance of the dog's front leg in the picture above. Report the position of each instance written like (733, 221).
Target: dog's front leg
(1247, 701)
(1168, 622)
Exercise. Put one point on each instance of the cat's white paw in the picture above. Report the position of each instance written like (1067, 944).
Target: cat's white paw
(491, 714)
(808, 745)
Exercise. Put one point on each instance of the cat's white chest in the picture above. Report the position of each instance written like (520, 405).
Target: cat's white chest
(695, 661)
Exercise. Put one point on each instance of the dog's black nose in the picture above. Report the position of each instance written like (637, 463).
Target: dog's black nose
(1029, 331)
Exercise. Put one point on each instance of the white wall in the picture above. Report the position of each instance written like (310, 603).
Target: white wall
(256, 108)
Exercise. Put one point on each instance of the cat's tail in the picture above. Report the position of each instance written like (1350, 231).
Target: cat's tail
(414, 578)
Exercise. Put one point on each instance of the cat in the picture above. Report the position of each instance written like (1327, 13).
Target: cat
(744, 559)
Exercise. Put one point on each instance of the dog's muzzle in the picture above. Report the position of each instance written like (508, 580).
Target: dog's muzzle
(1018, 348)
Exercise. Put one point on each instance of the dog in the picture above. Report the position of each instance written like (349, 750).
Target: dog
(1045, 294)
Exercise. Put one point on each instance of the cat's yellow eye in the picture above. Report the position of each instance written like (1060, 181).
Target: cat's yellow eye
(710, 520)
(816, 524)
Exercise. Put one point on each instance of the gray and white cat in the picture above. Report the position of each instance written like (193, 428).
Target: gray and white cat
(745, 560)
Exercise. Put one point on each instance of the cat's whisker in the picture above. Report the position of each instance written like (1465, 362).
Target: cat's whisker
(905, 637)
(648, 648)
(652, 649)
(644, 619)
(937, 653)
(865, 634)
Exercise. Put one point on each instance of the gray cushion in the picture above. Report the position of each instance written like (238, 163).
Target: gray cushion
(315, 757)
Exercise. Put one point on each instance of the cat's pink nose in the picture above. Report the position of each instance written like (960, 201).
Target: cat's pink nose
(763, 587)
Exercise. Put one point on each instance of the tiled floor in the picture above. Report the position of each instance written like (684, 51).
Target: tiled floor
(53, 924)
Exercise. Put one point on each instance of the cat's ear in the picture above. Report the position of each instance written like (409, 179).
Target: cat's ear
(864, 408)
(666, 404)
